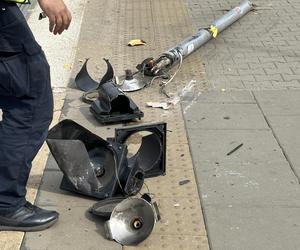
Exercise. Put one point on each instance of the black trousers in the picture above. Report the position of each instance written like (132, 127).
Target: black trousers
(26, 102)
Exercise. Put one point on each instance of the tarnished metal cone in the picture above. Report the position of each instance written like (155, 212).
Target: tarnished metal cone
(131, 222)
(128, 83)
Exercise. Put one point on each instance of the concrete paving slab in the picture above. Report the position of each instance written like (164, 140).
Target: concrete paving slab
(253, 227)
(50, 194)
(51, 164)
(167, 242)
(80, 114)
(233, 183)
(287, 129)
(214, 96)
(73, 98)
(216, 144)
(281, 102)
(224, 116)
(248, 176)
(237, 191)
(76, 229)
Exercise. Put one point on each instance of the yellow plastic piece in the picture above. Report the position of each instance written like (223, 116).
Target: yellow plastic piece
(136, 42)
(214, 31)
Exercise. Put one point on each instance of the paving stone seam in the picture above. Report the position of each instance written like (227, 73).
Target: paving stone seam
(198, 186)
(277, 139)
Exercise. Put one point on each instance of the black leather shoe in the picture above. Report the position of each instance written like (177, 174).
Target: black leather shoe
(28, 219)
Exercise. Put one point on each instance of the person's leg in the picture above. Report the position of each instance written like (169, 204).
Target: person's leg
(26, 102)
(27, 106)
(27, 112)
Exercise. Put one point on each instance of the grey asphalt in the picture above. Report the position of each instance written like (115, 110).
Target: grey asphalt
(251, 198)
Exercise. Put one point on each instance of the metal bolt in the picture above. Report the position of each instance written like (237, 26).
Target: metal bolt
(137, 224)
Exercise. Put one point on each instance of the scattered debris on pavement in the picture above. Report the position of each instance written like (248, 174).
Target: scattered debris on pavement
(86, 83)
(108, 103)
(136, 42)
(42, 15)
(102, 169)
(105, 169)
(184, 182)
(112, 105)
(164, 105)
(130, 220)
(67, 66)
(151, 69)
(172, 102)
(235, 149)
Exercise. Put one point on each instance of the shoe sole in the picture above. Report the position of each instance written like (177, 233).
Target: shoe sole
(28, 229)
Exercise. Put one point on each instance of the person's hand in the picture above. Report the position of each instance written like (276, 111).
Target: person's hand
(58, 14)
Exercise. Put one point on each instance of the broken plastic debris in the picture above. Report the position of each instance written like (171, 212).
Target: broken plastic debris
(112, 105)
(86, 83)
(102, 168)
(183, 182)
(163, 105)
(104, 208)
(91, 165)
(108, 103)
(214, 31)
(235, 149)
(67, 66)
(136, 42)
(151, 155)
(171, 103)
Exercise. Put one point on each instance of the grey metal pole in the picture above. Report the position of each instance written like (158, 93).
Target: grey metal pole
(176, 54)
(232, 16)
